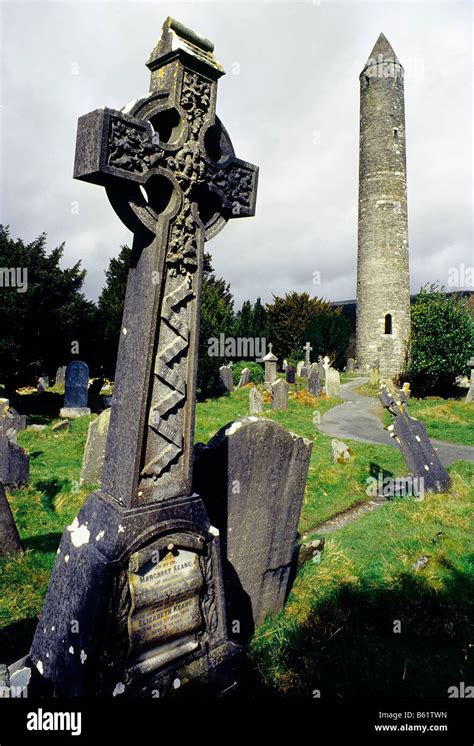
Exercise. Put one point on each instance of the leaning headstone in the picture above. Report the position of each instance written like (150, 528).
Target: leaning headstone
(470, 393)
(290, 374)
(244, 378)
(139, 568)
(299, 368)
(420, 457)
(14, 471)
(350, 365)
(76, 391)
(270, 361)
(60, 375)
(280, 394)
(259, 473)
(255, 401)
(332, 384)
(225, 377)
(314, 384)
(94, 451)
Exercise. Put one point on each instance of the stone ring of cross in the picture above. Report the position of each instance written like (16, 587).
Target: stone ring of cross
(177, 164)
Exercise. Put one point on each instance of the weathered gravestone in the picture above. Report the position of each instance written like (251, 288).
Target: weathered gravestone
(244, 378)
(374, 375)
(94, 452)
(255, 401)
(470, 393)
(259, 473)
(76, 391)
(225, 377)
(415, 445)
(314, 384)
(321, 370)
(306, 369)
(299, 368)
(270, 361)
(290, 374)
(139, 568)
(332, 384)
(340, 452)
(280, 394)
(350, 365)
(60, 375)
(10, 421)
(14, 470)
(43, 384)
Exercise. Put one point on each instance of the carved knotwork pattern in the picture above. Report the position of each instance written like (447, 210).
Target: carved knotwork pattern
(236, 184)
(131, 148)
(195, 100)
(189, 168)
(182, 252)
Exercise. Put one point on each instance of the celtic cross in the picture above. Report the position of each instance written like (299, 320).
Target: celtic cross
(170, 172)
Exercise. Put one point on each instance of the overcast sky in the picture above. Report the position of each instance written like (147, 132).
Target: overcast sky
(290, 102)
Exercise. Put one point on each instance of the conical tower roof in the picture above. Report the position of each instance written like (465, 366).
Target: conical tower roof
(382, 52)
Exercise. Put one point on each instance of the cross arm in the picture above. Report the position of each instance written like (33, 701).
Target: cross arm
(236, 184)
(112, 144)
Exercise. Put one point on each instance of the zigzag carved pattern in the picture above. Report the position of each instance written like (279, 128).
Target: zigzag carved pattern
(162, 419)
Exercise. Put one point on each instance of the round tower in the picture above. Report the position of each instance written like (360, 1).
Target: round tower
(383, 283)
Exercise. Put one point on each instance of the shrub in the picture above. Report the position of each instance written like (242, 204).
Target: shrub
(257, 374)
(441, 340)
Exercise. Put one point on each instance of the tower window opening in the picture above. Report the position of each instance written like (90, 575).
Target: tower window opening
(395, 133)
(388, 323)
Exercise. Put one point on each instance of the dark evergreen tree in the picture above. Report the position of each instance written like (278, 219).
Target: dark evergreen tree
(216, 319)
(47, 324)
(110, 304)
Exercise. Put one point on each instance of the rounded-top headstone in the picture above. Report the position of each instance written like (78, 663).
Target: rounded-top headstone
(76, 390)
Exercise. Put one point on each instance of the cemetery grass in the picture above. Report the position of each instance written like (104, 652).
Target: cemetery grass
(41, 511)
(338, 633)
(53, 497)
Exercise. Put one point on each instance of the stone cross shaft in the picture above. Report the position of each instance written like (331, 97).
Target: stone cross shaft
(171, 174)
(307, 349)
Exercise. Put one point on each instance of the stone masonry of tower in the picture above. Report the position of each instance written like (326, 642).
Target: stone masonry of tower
(383, 283)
